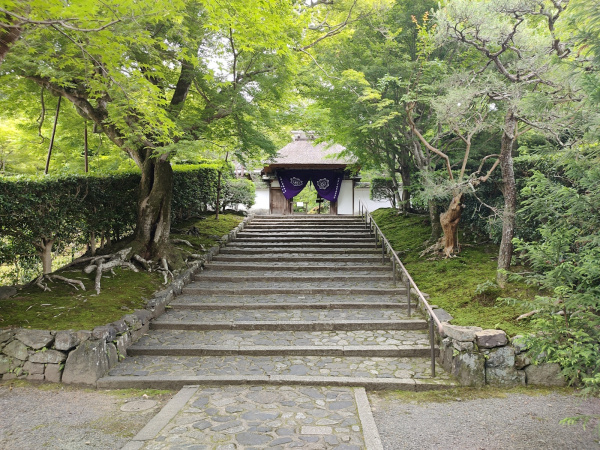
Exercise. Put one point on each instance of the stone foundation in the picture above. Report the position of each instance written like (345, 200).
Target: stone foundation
(476, 357)
(82, 357)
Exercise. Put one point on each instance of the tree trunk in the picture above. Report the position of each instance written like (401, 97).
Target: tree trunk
(449, 221)
(405, 175)
(8, 36)
(434, 217)
(509, 190)
(93, 243)
(53, 136)
(45, 254)
(396, 200)
(154, 207)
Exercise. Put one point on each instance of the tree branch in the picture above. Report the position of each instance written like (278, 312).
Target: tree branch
(413, 127)
(62, 22)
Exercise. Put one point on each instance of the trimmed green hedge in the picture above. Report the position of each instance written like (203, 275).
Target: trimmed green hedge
(69, 209)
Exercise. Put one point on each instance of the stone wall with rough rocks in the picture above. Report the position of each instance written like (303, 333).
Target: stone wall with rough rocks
(82, 357)
(476, 357)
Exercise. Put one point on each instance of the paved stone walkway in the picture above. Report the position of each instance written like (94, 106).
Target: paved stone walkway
(277, 340)
(259, 417)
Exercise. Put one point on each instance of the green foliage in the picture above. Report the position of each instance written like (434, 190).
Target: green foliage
(383, 189)
(238, 191)
(453, 283)
(194, 189)
(565, 259)
(64, 210)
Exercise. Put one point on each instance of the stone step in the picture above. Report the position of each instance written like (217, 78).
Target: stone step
(308, 239)
(300, 218)
(277, 266)
(286, 301)
(244, 235)
(315, 299)
(298, 257)
(335, 247)
(384, 343)
(294, 249)
(341, 317)
(305, 227)
(168, 372)
(292, 288)
(307, 276)
(321, 342)
(293, 325)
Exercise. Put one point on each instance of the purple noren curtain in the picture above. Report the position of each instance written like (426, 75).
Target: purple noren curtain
(292, 181)
(327, 183)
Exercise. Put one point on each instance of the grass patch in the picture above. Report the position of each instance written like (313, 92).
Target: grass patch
(210, 230)
(470, 393)
(65, 308)
(453, 283)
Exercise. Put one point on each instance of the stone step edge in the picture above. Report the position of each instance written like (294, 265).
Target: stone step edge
(397, 351)
(368, 250)
(240, 257)
(177, 382)
(287, 306)
(292, 278)
(304, 239)
(298, 248)
(190, 290)
(293, 325)
(215, 266)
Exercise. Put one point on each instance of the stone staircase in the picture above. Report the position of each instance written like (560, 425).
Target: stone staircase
(294, 300)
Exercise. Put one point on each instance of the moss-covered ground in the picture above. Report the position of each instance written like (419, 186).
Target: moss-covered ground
(67, 308)
(471, 393)
(453, 283)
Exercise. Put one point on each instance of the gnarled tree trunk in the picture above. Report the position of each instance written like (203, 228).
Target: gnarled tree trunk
(154, 207)
(509, 190)
(449, 221)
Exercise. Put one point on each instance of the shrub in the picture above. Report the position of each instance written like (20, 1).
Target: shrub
(383, 189)
(39, 215)
(238, 191)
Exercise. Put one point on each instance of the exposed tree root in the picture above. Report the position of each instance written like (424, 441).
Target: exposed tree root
(529, 314)
(145, 264)
(164, 269)
(107, 263)
(182, 241)
(436, 249)
(40, 282)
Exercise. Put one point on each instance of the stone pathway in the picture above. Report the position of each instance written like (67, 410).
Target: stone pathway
(278, 338)
(257, 417)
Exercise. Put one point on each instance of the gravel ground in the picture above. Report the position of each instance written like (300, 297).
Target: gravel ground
(57, 417)
(517, 421)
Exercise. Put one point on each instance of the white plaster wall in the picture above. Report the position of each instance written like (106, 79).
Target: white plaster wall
(345, 198)
(363, 194)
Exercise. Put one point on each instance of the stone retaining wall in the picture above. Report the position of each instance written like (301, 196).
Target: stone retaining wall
(476, 357)
(82, 357)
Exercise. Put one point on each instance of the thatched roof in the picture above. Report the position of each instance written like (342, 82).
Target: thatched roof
(304, 153)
